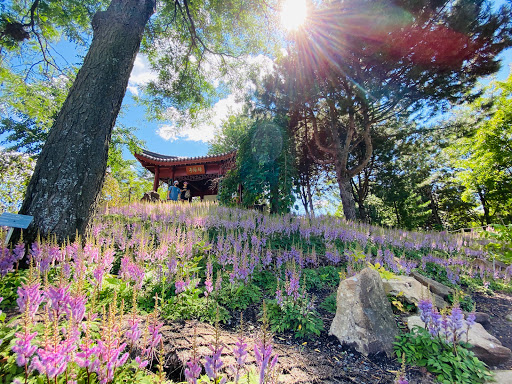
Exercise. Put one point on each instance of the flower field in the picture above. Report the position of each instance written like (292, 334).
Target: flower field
(91, 311)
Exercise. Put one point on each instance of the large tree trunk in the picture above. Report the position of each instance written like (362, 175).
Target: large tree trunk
(310, 199)
(483, 200)
(347, 198)
(71, 167)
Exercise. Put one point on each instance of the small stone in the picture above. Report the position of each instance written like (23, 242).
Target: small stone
(482, 318)
(509, 317)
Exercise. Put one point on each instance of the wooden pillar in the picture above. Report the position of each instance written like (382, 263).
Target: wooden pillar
(157, 179)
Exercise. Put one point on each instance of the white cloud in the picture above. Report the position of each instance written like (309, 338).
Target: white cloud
(141, 74)
(209, 123)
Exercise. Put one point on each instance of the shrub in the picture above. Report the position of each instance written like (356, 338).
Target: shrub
(329, 304)
(239, 296)
(297, 316)
(438, 357)
(330, 275)
(312, 279)
(190, 304)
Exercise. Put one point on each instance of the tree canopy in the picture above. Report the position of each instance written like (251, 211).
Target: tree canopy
(265, 168)
(182, 39)
(482, 158)
(358, 64)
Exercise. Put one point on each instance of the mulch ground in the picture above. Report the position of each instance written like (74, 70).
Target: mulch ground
(319, 359)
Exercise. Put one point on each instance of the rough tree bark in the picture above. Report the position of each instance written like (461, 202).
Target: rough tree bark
(71, 167)
(347, 198)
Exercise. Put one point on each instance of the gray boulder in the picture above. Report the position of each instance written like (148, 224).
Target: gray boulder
(411, 289)
(364, 318)
(437, 288)
(502, 377)
(485, 346)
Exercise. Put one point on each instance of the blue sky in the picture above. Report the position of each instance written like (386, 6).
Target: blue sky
(161, 136)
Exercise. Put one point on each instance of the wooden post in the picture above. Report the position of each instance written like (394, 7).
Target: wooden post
(157, 179)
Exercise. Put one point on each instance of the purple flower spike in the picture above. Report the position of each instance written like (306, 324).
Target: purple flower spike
(470, 320)
(142, 363)
(213, 363)
(425, 307)
(29, 293)
(193, 371)
(24, 348)
(240, 351)
(266, 362)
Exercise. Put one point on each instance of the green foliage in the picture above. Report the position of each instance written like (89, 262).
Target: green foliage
(402, 189)
(265, 168)
(191, 304)
(232, 133)
(125, 180)
(500, 245)
(438, 357)
(187, 81)
(400, 304)
(113, 284)
(312, 279)
(239, 295)
(297, 316)
(9, 288)
(330, 275)
(436, 272)
(481, 154)
(329, 304)
(383, 272)
(466, 303)
(266, 280)
(31, 108)
(9, 370)
(15, 172)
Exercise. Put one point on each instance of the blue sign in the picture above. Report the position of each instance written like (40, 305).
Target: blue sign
(15, 221)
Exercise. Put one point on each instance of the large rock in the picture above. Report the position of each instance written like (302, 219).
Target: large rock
(502, 377)
(436, 287)
(485, 346)
(364, 318)
(412, 290)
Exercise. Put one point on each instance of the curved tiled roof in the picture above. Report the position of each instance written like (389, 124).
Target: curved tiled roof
(156, 157)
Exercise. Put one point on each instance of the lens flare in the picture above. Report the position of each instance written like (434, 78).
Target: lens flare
(293, 14)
